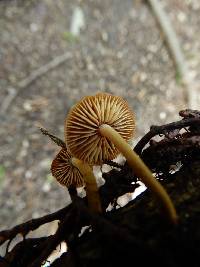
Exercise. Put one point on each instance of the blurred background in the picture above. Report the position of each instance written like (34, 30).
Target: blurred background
(52, 53)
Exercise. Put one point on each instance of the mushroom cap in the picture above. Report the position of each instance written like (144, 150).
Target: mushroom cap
(64, 171)
(82, 135)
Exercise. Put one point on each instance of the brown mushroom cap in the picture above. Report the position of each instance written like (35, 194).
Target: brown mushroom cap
(82, 127)
(63, 170)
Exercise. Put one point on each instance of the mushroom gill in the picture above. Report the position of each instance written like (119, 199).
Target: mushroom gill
(64, 171)
(82, 127)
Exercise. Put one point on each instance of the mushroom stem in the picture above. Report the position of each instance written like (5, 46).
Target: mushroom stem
(140, 169)
(92, 192)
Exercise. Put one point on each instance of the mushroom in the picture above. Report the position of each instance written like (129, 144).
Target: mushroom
(70, 171)
(97, 129)
(64, 171)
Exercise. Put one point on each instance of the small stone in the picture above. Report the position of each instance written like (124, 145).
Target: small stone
(33, 27)
(162, 115)
(181, 17)
(28, 174)
(46, 187)
(27, 106)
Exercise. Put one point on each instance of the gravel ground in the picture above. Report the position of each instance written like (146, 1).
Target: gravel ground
(119, 50)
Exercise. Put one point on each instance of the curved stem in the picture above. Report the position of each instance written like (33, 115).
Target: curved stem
(92, 192)
(140, 169)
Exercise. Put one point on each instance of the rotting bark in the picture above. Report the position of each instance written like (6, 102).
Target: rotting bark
(138, 233)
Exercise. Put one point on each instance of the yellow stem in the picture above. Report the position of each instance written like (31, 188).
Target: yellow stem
(92, 192)
(140, 169)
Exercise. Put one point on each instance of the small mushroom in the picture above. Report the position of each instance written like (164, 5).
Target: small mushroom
(64, 171)
(70, 171)
(96, 130)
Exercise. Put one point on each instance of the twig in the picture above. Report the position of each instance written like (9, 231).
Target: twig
(64, 230)
(44, 69)
(68, 230)
(189, 86)
(189, 113)
(8, 245)
(155, 130)
(107, 192)
(54, 138)
(72, 192)
(23, 84)
(113, 164)
(12, 92)
(31, 225)
(25, 251)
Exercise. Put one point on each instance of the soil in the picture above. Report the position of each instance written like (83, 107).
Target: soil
(120, 50)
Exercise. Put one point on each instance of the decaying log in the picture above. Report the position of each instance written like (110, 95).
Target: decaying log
(138, 233)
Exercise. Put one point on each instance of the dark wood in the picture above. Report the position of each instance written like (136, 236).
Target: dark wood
(139, 233)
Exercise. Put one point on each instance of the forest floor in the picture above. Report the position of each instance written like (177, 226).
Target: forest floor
(119, 49)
